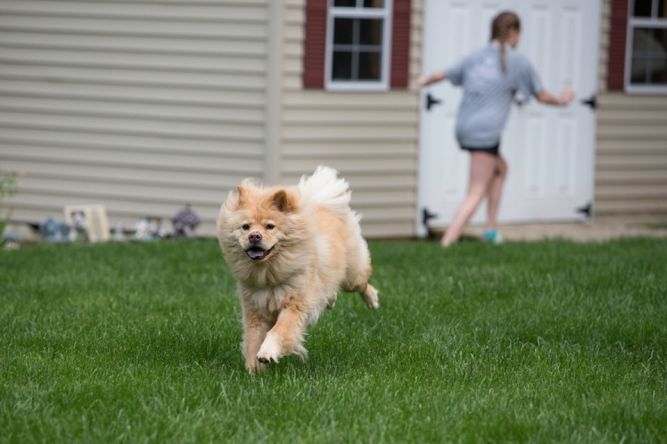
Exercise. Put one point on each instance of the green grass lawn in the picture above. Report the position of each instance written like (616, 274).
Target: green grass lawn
(541, 342)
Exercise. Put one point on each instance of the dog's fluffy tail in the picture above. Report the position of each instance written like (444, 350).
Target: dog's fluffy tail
(324, 187)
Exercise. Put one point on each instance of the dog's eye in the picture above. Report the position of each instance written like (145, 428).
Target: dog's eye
(270, 226)
(246, 227)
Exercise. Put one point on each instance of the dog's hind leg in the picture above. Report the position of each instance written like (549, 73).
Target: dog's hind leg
(358, 272)
(370, 295)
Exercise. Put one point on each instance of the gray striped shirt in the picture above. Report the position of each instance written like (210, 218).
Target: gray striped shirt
(488, 93)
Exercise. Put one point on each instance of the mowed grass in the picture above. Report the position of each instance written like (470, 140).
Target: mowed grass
(538, 342)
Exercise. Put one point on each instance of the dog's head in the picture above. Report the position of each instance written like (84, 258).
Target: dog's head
(255, 223)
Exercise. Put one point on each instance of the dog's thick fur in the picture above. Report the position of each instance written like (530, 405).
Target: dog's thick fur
(291, 250)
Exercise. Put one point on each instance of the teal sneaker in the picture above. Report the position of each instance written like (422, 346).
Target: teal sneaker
(492, 236)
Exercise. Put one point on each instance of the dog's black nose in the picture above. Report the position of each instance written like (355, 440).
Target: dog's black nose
(255, 236)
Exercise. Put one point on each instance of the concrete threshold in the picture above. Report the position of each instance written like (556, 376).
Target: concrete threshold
(599, 228)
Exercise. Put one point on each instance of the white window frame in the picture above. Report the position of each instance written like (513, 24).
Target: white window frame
(359, 12)
(641, 22)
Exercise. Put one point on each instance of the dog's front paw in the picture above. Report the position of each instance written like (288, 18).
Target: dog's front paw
(254, 367)
(270, 350)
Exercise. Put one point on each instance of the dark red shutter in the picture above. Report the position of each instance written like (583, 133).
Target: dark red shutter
(400, 44)
(314, 47)
(617, 38)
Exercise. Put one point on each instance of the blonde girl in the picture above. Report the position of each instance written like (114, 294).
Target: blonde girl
(490, 77)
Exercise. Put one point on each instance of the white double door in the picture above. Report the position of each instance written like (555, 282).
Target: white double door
(549, 150)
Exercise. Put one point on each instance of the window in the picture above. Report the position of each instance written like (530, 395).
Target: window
(358, 45)
(646, 56)
(395, 55)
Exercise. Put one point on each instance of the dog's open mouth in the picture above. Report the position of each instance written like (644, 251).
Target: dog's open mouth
(257, 253)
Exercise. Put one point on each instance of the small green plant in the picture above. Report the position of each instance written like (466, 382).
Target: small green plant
(8, 184)
(662, 225)
(8, 188)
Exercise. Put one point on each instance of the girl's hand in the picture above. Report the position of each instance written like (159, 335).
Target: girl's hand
(423, 80)
(566, 96)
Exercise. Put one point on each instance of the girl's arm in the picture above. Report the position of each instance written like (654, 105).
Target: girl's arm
(548, 99)
(425, 80)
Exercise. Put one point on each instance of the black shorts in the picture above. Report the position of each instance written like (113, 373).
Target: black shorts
(493, 150)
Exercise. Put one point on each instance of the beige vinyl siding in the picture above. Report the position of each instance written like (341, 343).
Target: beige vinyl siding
(631, 157)
(603, 55)
(631, 161)
(371, 138)
(140, 106)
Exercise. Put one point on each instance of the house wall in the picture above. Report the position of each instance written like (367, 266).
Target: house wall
(631, 158)
(371, 138)
(140, 106)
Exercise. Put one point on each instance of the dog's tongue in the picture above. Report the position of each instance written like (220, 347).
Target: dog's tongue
(255, 253)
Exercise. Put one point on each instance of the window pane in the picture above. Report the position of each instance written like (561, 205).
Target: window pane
(373, 3)
(657, 55)
(649, 42)
(641, 41)
(341, 66)
(638, 71)
(658, 44)
(662, 9)
(370, 32)
(649, 56)
(370, 67)
(345, 3)
(343, 31)
(642, 8)
(657, 69)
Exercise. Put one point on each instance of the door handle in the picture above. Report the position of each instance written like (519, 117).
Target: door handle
(592, 101)
(431, 101)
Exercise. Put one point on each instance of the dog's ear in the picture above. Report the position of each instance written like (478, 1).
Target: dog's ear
(235, 198)
(242, 193)
(285, 202)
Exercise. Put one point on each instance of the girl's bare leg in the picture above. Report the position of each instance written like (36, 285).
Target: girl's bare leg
(495, 193)
(482, 168)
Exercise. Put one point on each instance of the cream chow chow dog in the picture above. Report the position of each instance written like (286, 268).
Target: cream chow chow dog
(291, 249)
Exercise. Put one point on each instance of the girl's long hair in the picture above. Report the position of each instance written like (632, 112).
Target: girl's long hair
(500, 30)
